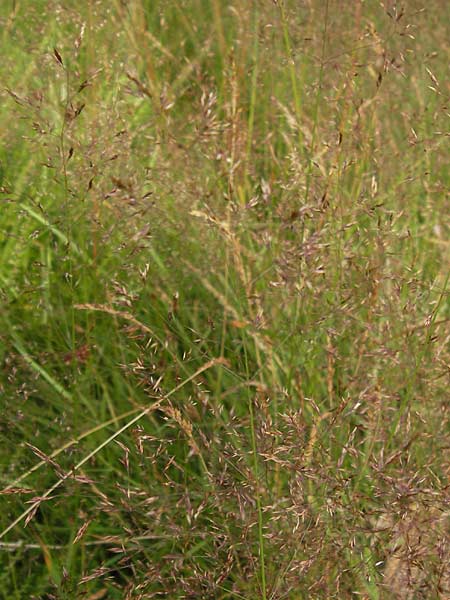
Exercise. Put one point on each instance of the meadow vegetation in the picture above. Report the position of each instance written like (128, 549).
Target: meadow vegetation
(224, 339)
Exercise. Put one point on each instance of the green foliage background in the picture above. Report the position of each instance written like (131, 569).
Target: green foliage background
(224, 229)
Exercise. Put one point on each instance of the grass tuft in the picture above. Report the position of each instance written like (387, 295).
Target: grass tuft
(224, 324)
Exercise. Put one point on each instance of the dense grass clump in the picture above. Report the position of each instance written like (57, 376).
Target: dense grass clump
(224, 338)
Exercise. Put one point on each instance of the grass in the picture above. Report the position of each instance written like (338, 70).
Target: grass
(224, 300)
